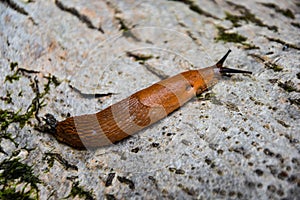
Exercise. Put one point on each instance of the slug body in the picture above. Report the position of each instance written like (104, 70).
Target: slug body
(139, 110)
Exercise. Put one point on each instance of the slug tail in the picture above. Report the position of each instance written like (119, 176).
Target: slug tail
(225, 70)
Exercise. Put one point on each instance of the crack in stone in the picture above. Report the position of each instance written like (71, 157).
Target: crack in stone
(283, 42)
(61, 160)
(287, 12)
(123, 23)
(247, 16)
(13, 5)
(142, 58)
(126, 30)
(195, 8)
(268, 63)
(91, 95)
(83, 18)
(160, 74)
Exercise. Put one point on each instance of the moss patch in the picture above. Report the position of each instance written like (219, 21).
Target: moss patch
(15, 173)
(79, 191)
(15, 76)
(8, 116)
(229, 37)
(51, 157)
(209, 96)
(287, 86)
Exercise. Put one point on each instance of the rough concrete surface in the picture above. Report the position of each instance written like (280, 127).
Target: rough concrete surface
(240, 140)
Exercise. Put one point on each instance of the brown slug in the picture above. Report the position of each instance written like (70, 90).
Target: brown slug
(139, 110)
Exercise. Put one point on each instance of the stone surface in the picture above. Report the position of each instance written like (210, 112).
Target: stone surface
(239, 140)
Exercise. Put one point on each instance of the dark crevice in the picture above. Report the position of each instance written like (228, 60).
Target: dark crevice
(160, 74)
(79, 192)
(269, 64)
(127, 181)
(193, 37)
(90, 96)
(109, 179)
(13, 5)
(7, 116)
(289, 45)
(295, 24)
(50, 157)
(247, 16)
(83, 18)
(126, 29)
(123, 24)
(142, 58)
(194, 7)
(287, 12)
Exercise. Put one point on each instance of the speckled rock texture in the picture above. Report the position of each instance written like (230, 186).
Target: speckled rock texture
(239, 140)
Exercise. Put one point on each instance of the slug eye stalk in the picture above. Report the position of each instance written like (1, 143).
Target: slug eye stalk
(225, 70)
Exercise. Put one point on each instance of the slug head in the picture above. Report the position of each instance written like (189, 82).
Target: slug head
(225, 70)
(211, 75)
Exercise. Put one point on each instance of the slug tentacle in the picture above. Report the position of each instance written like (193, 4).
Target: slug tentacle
(225, 70)
(138, 111)
(222, 60)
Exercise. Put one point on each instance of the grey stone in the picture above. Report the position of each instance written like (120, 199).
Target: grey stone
(242, 142)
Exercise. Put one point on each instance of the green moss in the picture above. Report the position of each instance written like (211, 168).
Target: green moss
(7, 116)
(11, 78)
(77, 190)
(13, 174)
(229, 37)
(267, 63)
(244, 16)
(51, 157)
(275, 67)
(7, 99)
(15, 76)
(206, 96)
(235, 20)
(11, 193)
(209, 96)
(287, 86)
(13, 65)
(123, 26)
(248, 46)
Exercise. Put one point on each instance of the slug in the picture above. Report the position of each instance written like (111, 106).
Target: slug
(139, 110)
